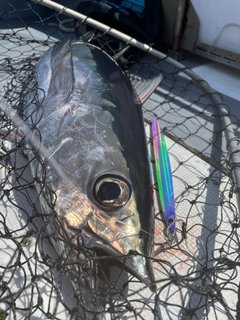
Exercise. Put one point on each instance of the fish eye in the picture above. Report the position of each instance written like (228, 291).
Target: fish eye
(112, 191)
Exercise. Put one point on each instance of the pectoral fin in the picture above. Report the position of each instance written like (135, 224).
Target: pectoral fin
(144, 88)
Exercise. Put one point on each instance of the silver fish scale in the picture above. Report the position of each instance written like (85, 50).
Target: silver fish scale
(76, 132)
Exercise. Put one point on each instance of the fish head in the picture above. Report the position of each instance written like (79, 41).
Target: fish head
(94, 129)
(111, 215)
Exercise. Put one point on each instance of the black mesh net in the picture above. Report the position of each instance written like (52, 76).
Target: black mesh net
(196, 271)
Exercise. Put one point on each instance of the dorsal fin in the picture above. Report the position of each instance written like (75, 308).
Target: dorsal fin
(144, 88)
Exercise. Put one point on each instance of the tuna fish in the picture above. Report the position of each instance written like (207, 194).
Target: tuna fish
(98, 201)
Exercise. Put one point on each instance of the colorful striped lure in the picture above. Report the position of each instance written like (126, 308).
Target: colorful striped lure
(163, 175)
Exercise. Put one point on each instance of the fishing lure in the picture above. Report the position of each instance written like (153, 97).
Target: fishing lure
(163, 175)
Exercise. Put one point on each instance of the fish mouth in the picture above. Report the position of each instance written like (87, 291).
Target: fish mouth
(135, 263)
(116, 237)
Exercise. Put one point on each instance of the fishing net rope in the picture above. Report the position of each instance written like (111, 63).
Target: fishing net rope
(197, 272)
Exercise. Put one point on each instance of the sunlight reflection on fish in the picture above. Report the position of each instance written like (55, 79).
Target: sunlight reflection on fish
(98, 196)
